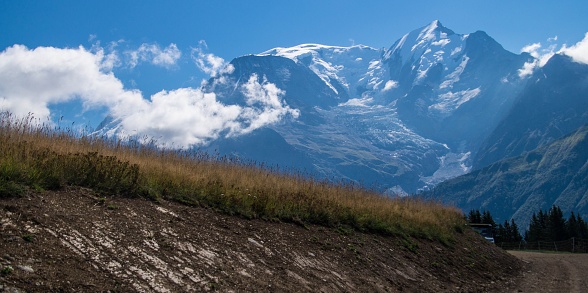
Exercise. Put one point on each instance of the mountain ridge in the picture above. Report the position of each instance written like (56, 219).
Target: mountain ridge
(552, 105)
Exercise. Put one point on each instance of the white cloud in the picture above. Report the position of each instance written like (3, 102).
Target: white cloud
(528, 69)
(208, 62)
(31, 80)
(187, 116)
(110, 60)
(579, 51)
(541, 56)
(152, 53)
(108, 55)
(265, 105)
(532, 49)
(182, 117)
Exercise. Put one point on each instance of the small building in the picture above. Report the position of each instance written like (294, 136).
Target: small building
(484, 229)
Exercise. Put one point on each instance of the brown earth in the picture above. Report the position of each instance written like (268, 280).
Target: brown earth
(74, 241)
(553, 272)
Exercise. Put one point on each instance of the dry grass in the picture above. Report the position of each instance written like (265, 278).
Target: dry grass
(34, 155)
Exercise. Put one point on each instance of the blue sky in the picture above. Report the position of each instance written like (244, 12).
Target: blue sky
(155, 41)
(234, 28)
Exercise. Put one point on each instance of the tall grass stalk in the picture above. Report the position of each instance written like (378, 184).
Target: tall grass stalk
(38, 155)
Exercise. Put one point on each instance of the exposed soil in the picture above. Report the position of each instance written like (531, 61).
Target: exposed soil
(73, 241)
(553, 272)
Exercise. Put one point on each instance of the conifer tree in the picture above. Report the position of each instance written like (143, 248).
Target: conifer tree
(487, 218)
(500, 235)
(552, 226)
(515, 234)
(474, 216)
(573, 227)
(556, 225)
(508, 232)
(582, 228)
(535, 229)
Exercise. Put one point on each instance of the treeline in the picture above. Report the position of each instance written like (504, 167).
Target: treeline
(552, 226)
(544, 226)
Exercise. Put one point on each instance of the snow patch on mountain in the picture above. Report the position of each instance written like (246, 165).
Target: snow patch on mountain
(390, 84)
(364, 102)
(453, 77)
(356, 68)
(451, 166)
(450, 101)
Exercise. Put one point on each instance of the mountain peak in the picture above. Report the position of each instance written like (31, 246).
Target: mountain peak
(433, 30)
(418, 40)
(434, 25)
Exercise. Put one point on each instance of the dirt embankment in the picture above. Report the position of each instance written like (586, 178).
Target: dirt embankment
(74, 241)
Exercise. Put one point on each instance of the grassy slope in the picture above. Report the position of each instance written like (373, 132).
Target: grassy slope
(42, 157)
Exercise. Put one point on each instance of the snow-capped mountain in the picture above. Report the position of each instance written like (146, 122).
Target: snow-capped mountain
(355, 69)
(336, 136)
(434, 56)
(398, 119)
(431, 48)
(452, 87)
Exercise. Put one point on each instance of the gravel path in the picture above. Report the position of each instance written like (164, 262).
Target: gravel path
(553, 272)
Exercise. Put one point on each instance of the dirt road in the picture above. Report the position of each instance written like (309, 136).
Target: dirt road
(553, 272)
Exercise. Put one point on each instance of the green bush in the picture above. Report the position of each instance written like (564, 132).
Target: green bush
(11, 189)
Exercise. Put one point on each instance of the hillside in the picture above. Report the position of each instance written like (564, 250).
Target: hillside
(554, 103)
(554, 174)
(81, 213)
(75, 240)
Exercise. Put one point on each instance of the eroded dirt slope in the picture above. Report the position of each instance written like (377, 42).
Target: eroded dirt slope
(72, 240)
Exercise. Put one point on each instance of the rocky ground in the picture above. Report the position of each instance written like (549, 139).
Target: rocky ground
(75, 241)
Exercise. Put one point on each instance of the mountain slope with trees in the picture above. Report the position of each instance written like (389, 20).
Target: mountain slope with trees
(517, 187)
(553, 104)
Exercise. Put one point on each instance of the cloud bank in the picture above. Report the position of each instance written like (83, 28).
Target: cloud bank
(30, 80)
(579, 51)
(187, 116)
(33, 79)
